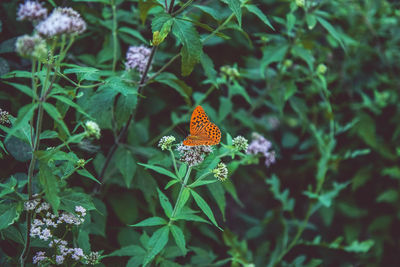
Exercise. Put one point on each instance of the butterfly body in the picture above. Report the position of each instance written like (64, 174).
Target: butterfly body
(202, 131)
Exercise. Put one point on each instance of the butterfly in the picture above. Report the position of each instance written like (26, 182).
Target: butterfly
(202, 131)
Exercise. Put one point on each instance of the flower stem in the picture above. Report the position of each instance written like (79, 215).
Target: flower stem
(114, 34)
(174, 161)
(185, 180)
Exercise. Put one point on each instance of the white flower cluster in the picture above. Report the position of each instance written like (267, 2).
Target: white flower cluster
(193, 155)
(61, 21)
(166, 142)
(45, 224)
(92, 129)
(31, 11)
(31, 46)
(137, 57)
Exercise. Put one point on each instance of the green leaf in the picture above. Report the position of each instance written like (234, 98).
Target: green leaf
(204, 207)
(170, 183)
(71, 103)
(165, 204)
(24, 115)
(50, 185)
(55, 114)
(126, 164)
(283, 197)
(22, 88)
(389, 196)
(180, 86)
(8, 187)
(156, 243)
(198, 183)
(144, 8)
(290, 21)
(332, 31)
(218, 192)
(8, 214)
(124, 205)
(131, 250)
(153, 221)
(234, 5)
(191, 45)
(256, 11)
(133, 33)
(210, 11)
(70, 199)
(237, 89)
(272, 54)
(311, 20)
(159, 20)
(117, 84)
(208, 67)
(87, 174)
(326, 198)
(360, 247)
(125, 105)
(179, 238)
(160, 170)
(182, 171)
(182, 201)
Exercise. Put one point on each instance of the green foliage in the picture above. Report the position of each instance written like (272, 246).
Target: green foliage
(311, 85)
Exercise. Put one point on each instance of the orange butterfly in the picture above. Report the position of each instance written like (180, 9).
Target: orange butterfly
(202, 131)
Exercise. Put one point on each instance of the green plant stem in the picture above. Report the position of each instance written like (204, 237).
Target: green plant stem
(183, 7)
(77, 84)
(185, 180)
(32, 164)
(174, 161)
(127, 124)
(220, 27)
(162, 69)
(114, 34)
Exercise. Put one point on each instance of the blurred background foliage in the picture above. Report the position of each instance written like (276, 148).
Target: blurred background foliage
(322, 84)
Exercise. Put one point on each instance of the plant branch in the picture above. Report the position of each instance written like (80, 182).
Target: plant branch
(180, 192)
(114, 34)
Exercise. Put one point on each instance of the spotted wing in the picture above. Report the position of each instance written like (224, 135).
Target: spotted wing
(198, 121)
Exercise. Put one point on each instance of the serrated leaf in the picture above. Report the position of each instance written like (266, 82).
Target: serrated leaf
(160, 170)
(208, 67)
(153, 221)
(283, 197)
(191, 45)
(156, 243)
(179, 238)
(159, 20)
(202, 204)
(234, 5)
(256, 11)
(165, 204)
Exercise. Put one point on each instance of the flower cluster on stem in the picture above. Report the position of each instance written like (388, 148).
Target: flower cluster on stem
(261, 145)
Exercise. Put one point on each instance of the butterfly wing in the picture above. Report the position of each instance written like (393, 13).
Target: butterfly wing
(202, 131)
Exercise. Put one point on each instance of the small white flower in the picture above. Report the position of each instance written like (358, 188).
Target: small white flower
(92, 129)
(61, 21)
(137, 57)
(81, 210)
(59, 259)
(77, 254)
(166, 142)
(39, 257)
(32, 11)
